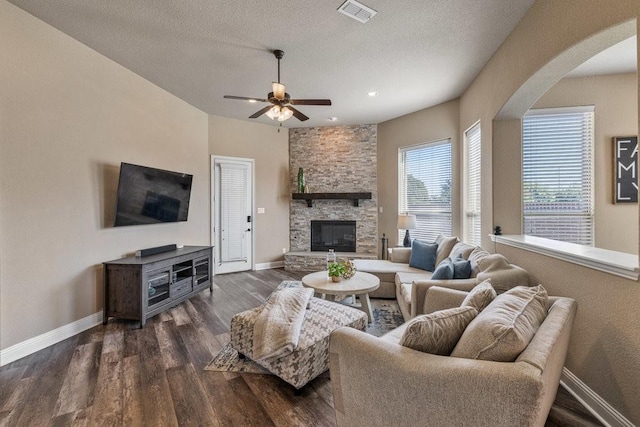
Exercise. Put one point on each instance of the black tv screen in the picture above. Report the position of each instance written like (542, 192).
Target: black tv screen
(149, 196)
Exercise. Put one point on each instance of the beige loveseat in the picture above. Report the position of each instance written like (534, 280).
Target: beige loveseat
(409, 285)
(378, 382)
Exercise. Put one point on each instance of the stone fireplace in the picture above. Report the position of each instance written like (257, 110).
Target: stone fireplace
(335, 160)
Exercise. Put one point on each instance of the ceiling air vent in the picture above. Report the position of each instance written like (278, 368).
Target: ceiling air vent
(357, 11)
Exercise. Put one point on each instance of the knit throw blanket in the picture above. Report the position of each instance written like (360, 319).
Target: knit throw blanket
(277, 328)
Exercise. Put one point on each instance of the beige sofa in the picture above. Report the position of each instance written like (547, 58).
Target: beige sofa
(377, 382)
(409, 285)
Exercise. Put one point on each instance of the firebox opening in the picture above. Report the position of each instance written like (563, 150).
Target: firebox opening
(337, 235)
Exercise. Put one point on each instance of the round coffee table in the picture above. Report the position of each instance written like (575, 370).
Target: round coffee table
(360, 284)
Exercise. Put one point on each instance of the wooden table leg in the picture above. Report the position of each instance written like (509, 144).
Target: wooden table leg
(366, 306)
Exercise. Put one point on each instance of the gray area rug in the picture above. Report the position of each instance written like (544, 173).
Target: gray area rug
(386, 316)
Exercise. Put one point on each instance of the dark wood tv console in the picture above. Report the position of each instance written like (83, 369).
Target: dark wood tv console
(138, 288)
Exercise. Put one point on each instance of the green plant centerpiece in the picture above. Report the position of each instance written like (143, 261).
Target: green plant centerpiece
(341, 270)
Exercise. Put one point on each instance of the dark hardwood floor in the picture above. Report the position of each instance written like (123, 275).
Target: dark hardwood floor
(120, 375)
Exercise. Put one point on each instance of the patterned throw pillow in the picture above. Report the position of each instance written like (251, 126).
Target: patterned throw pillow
(437, 332)
(505, 327)
(423, 255)
(480, 296)
(444, 270)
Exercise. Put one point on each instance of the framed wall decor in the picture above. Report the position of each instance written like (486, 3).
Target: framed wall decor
(625, 169)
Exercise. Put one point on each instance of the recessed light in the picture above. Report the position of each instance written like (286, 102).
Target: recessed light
(252, 101)
(333, 119)
(373, 93)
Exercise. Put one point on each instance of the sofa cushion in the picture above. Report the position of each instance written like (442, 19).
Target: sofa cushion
(474, 257)
(505, 328)
(461, 249)
(461, 268)
(438, 332)
(480, 296)
(411, 276)
(444, 270)
(503, 275)
(384, 270)
(445, 244)
(423, 255)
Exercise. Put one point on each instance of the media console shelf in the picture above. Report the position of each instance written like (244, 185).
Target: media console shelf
(138, 288)
(309, 197)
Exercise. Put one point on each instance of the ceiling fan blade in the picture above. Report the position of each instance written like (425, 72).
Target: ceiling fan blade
(245, 98)
(297, 114)
(261, 112)
(310, 101)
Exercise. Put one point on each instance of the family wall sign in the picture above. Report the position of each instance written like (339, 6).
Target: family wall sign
(625, 165)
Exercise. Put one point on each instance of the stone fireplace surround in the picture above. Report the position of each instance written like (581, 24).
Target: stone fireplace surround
(340, 159)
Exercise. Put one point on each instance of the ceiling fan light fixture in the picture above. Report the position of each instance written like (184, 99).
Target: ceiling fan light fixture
(285, 114)
(274, 112)
(278, 90)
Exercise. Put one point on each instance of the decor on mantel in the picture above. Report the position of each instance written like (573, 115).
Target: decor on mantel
(309, 197)
(301, 183)
(406, 222)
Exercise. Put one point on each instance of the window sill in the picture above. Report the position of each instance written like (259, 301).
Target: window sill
(612, 262)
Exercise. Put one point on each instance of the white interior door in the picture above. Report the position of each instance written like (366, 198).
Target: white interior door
(232, 214)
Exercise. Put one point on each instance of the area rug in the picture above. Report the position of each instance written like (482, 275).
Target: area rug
(386, 316)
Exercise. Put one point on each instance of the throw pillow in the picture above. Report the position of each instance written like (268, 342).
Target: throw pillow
(444, 270)
(423, 255)
(504, 329)
(503, 275)
(445, 244)
(437, 332)
(480, 296)
(461, 249)
(476, 255)
(461, 268)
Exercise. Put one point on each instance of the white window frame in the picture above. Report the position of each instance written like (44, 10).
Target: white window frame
(556, 230)
(423, 216)
(472, 227)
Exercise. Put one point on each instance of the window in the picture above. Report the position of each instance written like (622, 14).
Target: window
(425, 188)
(472, 139)
(557, 171)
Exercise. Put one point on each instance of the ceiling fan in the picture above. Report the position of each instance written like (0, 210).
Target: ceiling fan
(282, 104)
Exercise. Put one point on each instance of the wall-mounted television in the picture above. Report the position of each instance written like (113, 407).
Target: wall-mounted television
(150, 196)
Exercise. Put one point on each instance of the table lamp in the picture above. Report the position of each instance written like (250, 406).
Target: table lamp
(406, 222)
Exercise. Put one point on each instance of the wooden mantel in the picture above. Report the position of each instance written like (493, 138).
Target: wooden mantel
(309, 197)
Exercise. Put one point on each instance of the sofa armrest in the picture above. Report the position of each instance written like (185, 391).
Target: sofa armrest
(401, 255)
(439, 298)
(376, 382)
(420, 288)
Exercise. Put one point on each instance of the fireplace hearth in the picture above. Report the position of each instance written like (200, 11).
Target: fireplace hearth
(337, 235)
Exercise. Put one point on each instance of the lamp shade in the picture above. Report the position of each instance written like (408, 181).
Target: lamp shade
(406, 222)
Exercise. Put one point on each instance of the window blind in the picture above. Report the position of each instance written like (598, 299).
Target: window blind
(472, 231)
(425, 188)
(557, 169)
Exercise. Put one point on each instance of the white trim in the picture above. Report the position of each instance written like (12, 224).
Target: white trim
(269, 265)
(612, 262)
(595, 404)
(27, 347)
(561, 110)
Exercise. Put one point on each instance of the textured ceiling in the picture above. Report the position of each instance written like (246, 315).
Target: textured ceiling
(414, 53)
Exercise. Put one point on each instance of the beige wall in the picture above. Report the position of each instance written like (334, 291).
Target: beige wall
(68, 117)
(432, 124)
(615, 99)
(269, 147)
(605, 346)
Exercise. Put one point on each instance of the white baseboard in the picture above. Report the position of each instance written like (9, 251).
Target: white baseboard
(25, 348)
(269, 265)
(595, 404)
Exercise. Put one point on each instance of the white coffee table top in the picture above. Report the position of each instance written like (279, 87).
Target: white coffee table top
(360, 283)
